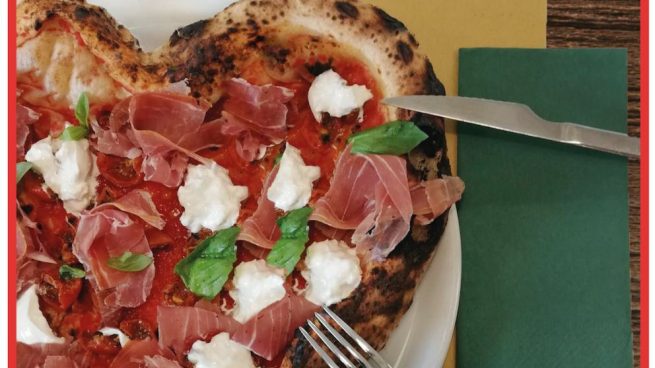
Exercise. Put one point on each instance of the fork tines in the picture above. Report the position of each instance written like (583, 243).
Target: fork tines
(369, 359)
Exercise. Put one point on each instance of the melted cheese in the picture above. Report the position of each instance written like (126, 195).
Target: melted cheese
(68, 168)
(333, 272)
(292, 186)
(31, 325)
(256, 286)
(209, 198)
(330, 93)
(220, 352)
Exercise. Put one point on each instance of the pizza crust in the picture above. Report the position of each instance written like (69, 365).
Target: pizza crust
(109, 41)
(209, 51)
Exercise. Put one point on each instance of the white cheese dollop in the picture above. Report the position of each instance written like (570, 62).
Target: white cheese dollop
(292, 186)
(209, 198)
(220, 352)
(330, 93)
(332, 273)
(66, 69)
(31, 325)
(68, 169)
(112, 331)
(256, 286)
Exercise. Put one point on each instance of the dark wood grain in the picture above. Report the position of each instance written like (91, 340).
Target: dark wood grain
(609, 23)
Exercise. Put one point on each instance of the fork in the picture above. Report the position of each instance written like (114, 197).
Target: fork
(373, 358)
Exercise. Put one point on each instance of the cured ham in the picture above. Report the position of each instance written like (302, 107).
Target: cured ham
(271, 330)
(108, 231)
(159, 361)
(144, 353)
(166, 128)
(24, 118)
(35, 356)
(257, 115)
(261, 228)
(433, 197)
(370, 195)
(180, 327)
(59, 362)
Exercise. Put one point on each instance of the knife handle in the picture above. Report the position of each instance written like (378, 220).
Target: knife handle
(602, 140)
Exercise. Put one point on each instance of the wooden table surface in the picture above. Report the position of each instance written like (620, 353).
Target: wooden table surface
(609, 23)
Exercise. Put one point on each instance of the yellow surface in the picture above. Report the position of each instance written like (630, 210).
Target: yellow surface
(442, 27)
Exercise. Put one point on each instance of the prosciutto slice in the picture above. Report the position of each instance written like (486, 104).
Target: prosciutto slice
(261, 228)
(271, 330)
(370, 195)
(433, 197)
(144, 353)
(59, 362)
(166, 128)
(257, 115)
(108, 231)
(180, 327)
(35, 356)
(24, 118)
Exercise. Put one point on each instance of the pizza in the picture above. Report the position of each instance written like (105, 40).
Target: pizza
(193, 206)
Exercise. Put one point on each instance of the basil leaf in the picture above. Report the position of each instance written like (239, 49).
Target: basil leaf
(21, 169)
(130, 262)
(295, 234)
(82, 110)
(74, 133)
(395, 138)
(205, 270)
(295, 222)
(67, 272)
(286, 253)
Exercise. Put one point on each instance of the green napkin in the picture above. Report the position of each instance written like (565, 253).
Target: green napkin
(544, 226)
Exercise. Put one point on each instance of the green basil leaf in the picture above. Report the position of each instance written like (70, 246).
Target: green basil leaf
(286, 253)
(206, 269)
(295, 222)
(130, 262)
(74, 133)
(394, 138)
(21, 169)
(67, 272)
(82, 110)
(287, 250)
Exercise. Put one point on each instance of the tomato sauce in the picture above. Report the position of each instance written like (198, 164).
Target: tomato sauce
(73, 311)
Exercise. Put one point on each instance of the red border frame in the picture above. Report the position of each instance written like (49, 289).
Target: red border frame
(11, 201)
(644, 91)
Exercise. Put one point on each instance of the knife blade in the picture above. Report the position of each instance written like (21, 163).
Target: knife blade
(520, 119)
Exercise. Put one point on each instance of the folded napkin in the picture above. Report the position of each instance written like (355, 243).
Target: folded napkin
(544, 226)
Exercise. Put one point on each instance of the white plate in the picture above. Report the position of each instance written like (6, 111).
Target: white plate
(423, 337)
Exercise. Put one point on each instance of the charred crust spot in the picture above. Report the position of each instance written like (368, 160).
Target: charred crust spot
(405, 52)
(81, 13)
(435, 132)
(347, 9)
(432, 84)
(187, 32)
(37, 24)
(390, 23)
(252, 24)
(412, 40)
(175, 74)
(279, 54)
(300, 351)
(319, 68)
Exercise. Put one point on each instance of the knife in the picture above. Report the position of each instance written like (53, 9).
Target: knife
(518, 118)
